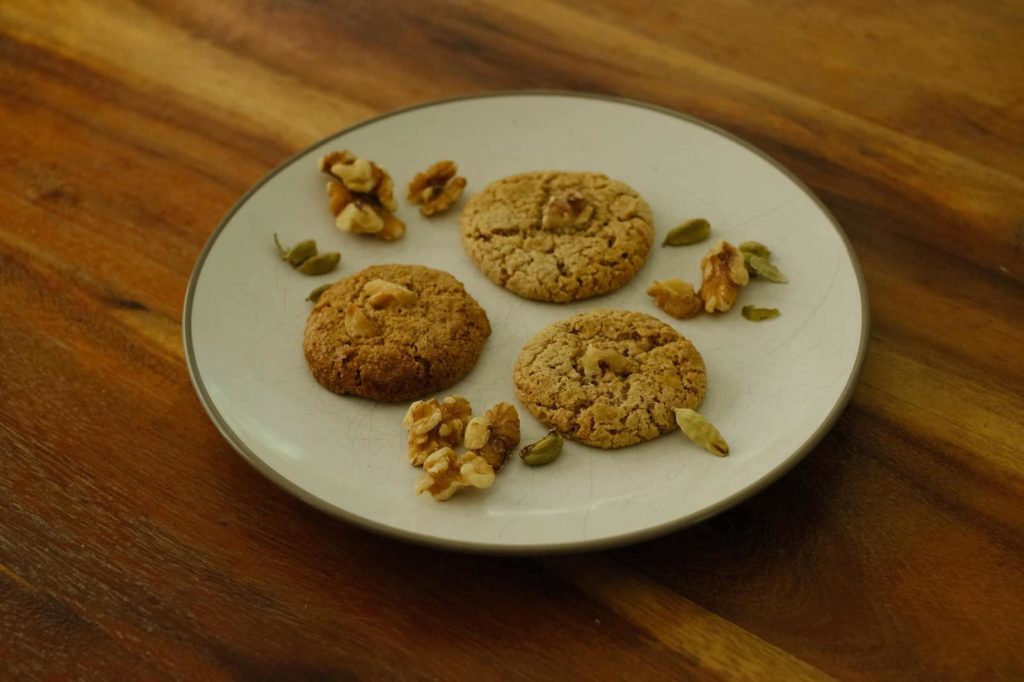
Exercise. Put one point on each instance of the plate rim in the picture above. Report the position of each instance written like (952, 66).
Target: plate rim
(543, 548)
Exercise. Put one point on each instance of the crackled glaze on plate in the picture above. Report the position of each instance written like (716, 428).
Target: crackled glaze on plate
(775, 387)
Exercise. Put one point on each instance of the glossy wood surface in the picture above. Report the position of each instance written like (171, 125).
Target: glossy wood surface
(135, 544)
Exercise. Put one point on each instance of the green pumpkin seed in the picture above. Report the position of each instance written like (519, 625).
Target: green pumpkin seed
(544, 451)
(320, 264)
(764, 268)
(314, 295)
(755, 314)
(690, 232)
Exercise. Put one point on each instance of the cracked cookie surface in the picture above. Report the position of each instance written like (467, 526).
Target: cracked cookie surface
(596, 245)
(400, 351)
(609, 378)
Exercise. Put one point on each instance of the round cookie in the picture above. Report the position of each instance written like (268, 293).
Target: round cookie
(558, 236)
(609, 378)
(394, 333)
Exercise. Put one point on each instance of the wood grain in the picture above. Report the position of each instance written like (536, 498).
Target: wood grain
(134, 544)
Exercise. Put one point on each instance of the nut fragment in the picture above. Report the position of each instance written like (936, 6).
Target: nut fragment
(701, 431)
(433, 425)
(351, 171)
(445, 473)
(384, 294)
(502, 434)
(436, 188)
(358, 217)
(360, 195)
(393, 228)
(594, 359)
(477, 432)
(357, 324)
(689, 232)
(675, 297)
(544, 451)
(723, 277)
(357, 176)
(566, 209)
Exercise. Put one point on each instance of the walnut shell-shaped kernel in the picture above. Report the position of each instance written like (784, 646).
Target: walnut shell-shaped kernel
(723, 275)
(437, 188)
(433, 425)
(502, 434)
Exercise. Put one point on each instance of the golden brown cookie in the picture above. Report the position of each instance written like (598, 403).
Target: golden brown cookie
(609, 378)
(558, 236)
(394, 332)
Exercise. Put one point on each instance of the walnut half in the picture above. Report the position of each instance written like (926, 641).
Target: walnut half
(494, 435)
(675, 297)
(724, 275)
(433, 425)
(360, 195)
(445, 473)
(437, 188)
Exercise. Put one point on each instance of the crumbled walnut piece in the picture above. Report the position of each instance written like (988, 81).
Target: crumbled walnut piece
(478, 430)
(500, 435)
(357, 323)
(384, 294)
(361, 196)
(393, 228)
(445, 474)
(436, 188)
(675, 297)
(433, 425)
(595, 358)
(724, 275)
(357, 217)
(358, 176)
(566, 210)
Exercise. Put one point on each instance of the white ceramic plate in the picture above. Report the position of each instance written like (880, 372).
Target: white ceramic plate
(775, 387)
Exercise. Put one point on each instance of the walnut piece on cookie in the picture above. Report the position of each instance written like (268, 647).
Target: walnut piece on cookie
(360, 195)
(394, 333)
(675, 297)
(609, 378)
(558, 236)
(723, 275)
(437, 188)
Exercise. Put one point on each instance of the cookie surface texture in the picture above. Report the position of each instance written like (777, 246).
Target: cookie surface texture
(609, 378)
(558, 236)
(394, 333)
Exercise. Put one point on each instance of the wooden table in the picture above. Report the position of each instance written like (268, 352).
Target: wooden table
(135, 544)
